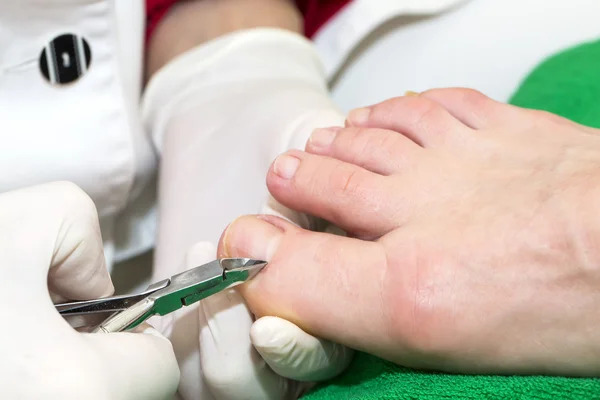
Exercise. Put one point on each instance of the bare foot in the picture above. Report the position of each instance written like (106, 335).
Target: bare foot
(479, 231)
(192, 23)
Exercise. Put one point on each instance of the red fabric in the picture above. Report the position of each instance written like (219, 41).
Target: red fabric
(316, 13)
(155, 11)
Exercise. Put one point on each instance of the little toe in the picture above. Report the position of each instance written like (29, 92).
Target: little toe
(481, 112)
(475, 109)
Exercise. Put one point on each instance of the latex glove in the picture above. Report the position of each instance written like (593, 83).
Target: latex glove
(219, 127)
(50, 246)
(225, 354)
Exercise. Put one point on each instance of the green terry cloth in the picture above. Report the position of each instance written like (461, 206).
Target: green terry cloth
(567, 84)
(371, 378)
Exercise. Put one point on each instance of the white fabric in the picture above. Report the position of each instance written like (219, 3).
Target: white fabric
(50, 244)
(88, 132)
(488, 45)
(337, 39)
(221, 113)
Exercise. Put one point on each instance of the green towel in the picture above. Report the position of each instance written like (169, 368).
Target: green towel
(567, 84)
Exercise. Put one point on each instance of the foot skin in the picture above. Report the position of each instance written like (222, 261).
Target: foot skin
(474, 237)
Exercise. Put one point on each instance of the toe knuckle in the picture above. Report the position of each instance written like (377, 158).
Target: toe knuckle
(374, 139)
(345, 181)
(470, 96)
(388, 109)
(412, 110)
(461, 95)
(350, 138)
(390, 104)
(389, 142)
(439, 92)
(466, 93)
(364, 142)
(423, 110)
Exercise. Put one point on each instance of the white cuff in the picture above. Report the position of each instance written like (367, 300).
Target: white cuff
(342, 34)
(231, 64)
(219, 116)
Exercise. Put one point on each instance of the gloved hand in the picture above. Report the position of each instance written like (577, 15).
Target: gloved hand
(225, 354)
(218, 127)
(50, 248)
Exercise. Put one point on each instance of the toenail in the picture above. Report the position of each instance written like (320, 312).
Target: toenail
(359, 116)
(285, 166)
(254, 237)
(410, 93)
(323, 137)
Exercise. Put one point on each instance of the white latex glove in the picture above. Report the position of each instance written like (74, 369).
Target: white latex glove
(220, 114)
(224, 354)
(50, 245)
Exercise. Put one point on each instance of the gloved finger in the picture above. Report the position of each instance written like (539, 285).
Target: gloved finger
(312, 278)
(53, 226)
(183, 329)
(230, 366)
(78, 269)
(295, 354)
(139, 365)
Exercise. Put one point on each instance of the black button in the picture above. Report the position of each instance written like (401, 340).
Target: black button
(65, 59)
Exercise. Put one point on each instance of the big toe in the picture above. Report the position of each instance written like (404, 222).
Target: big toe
(307, 270)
